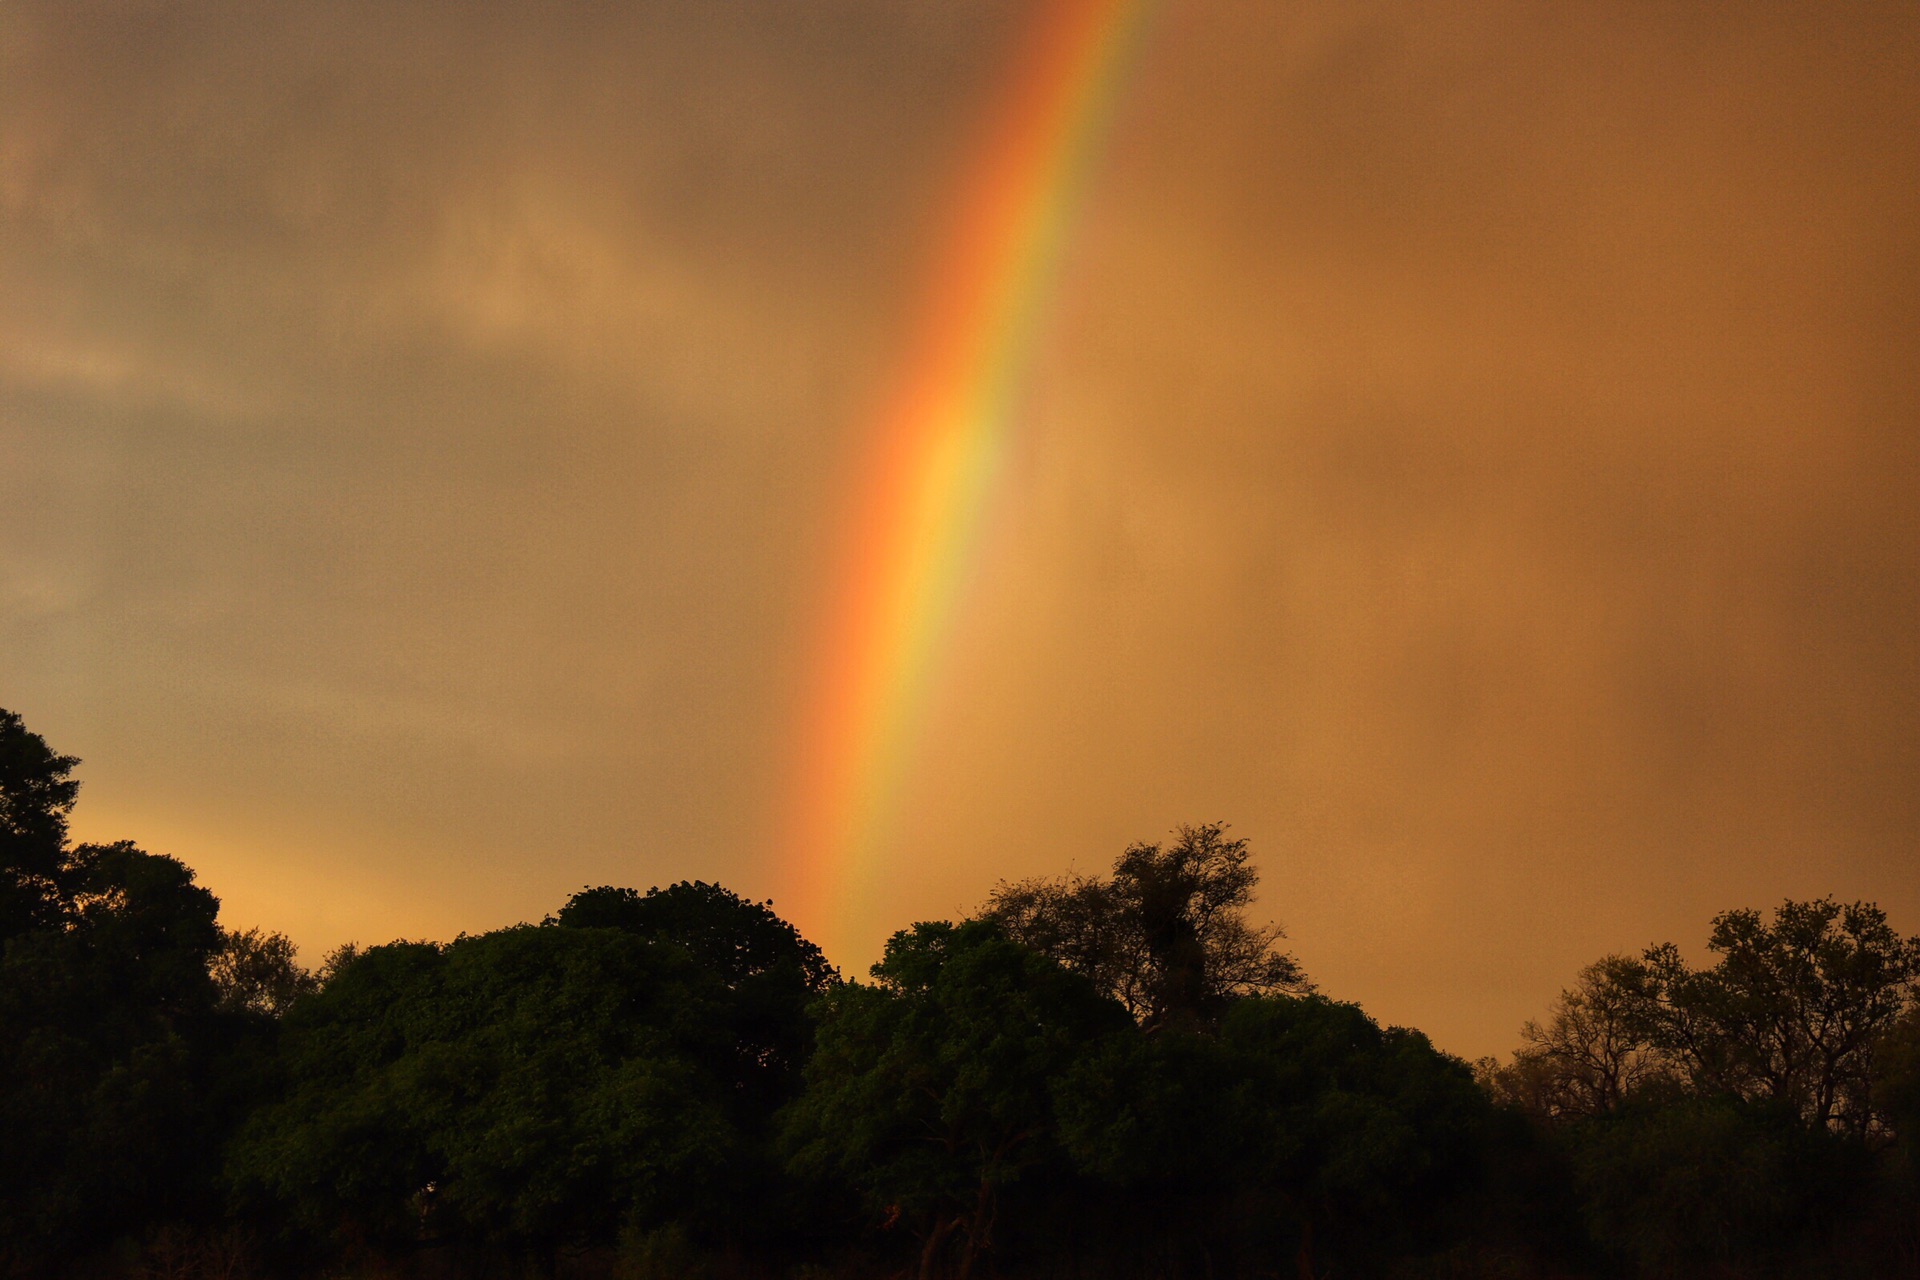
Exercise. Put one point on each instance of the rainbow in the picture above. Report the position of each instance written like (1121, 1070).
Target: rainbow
(938, 448)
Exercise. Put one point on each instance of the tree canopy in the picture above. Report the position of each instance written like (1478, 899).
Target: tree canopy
(528, 1087)
(931, 1089)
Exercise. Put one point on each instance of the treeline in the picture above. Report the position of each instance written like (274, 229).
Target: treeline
(1098, 1076)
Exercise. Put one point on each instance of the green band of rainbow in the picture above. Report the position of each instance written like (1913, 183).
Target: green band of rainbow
(939, 448)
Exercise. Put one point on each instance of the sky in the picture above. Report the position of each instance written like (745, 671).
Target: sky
(1473, 449)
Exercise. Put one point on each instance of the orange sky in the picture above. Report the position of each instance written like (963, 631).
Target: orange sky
(1475, 451)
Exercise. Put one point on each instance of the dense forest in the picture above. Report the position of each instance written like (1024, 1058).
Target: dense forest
(1096, 1076)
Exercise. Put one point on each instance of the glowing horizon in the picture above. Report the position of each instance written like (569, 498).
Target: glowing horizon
(938, 446)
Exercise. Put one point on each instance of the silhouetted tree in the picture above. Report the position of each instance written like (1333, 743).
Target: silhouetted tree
(1113, 1075)
(116, 1081)
(1791, 1011)
(1166, 935)
(1595, 1050)
(119, 1077)
(256, 973)
(36, 795)
(1301, 1127)
(1896, 1095)
(1736, 1118)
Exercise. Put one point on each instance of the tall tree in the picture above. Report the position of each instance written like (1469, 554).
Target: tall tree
(1792, 1010)
(1166, 934)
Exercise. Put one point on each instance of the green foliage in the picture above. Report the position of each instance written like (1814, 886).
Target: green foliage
(525, 1086)
(111, 1057)
(1708, 1184)
(1348, 1113)
(1154, 1113)
(660, 1253)
(930, 1090)
(734, 939)
(1326, 1134)
(765, 972)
